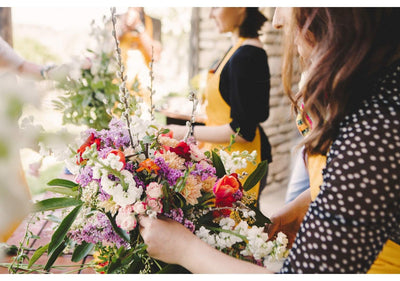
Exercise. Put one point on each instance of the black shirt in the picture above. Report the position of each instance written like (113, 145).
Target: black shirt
(244, 85)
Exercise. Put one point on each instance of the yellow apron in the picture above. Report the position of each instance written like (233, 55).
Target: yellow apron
(218, 113)
(131, 41)
(388, 261)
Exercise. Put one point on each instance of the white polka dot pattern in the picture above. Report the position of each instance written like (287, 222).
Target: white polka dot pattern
(358, 207)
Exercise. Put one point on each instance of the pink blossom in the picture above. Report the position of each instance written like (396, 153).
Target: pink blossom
(126, 218)
(139, 207)
(196, 153)
(154, 204)
(154, 190)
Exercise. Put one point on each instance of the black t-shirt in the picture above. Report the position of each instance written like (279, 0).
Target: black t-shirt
(244, 85)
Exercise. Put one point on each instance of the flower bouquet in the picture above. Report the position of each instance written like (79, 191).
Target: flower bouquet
(135, 167)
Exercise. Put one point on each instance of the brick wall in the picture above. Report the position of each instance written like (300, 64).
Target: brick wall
(280, 126)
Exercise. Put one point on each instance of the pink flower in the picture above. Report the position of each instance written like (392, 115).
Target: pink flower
(154, 204)
(126, 218)
(154, 190)
(195, 153)
(139, 208)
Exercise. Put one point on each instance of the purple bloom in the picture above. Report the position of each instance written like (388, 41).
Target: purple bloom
(189, 225)
(204, 172)
(85, 176)
(116, 136)
(171, 175)
(176, 215)
(97, 230)
(238, 195)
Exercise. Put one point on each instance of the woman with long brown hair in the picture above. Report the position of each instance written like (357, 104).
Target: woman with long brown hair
(352, 97)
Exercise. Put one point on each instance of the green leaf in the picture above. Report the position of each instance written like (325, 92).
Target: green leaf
(256, 176)
(62, 182)
(55, 254)
(37, 254)
(136, 265)
(61, 232)
(63, 190)
(219, 166)
(55, 203)
(82, 251)
(261, 219)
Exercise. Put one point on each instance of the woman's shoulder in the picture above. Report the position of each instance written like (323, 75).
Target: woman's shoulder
(249, 54)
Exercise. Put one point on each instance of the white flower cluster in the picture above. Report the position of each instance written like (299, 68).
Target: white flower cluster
(121, 196)
(236, 160)
(257, 244)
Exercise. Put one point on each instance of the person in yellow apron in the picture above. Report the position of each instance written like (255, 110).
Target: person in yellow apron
(140, 42)
(237, 91)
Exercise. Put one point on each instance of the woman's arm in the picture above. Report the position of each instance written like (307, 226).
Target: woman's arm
(172, 243)
(289, 218)
(214, 134)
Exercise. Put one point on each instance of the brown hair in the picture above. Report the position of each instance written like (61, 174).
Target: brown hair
(252, 23)
(350, 45)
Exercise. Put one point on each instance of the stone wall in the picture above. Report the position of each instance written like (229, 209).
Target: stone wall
(280, 126)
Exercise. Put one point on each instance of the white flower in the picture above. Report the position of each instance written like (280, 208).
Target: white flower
(114, 162)
(124, 198)
(282, 239)
(227, 223)
(107, 184)
(89, 192)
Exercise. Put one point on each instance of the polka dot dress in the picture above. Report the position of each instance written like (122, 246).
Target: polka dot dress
(358, 207)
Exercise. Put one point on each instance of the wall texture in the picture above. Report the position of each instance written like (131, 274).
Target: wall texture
(280, 126)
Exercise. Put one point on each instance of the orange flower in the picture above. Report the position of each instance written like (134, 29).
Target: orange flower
(149, 166)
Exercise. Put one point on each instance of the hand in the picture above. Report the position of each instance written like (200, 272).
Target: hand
(166, 240)
(289, 218)
(179, 131)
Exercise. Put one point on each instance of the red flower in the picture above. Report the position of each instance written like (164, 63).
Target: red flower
(120, 154)
(227, 190)
(182, 149)
(88, 143)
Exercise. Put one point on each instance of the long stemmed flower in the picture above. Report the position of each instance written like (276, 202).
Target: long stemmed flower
(124, 93)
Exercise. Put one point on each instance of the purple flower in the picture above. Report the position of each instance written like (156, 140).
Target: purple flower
(171, 175)
(85, 176)
(189, 225)
(97, 230)
(204, 171)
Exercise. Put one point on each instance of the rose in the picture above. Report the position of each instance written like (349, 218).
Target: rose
(126, 218)
(88, 143)
(154, 190)
(139, 208)
(227, 190)
(182, 149)
(154, 205)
